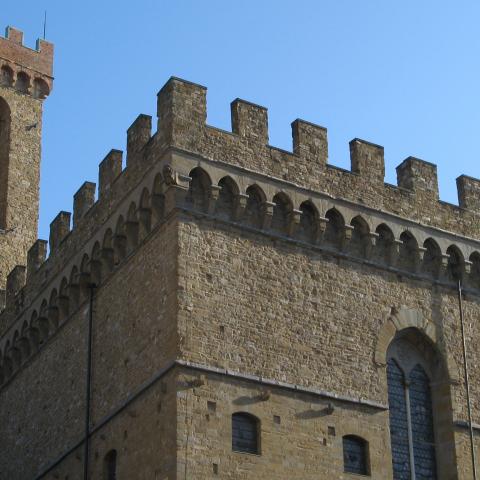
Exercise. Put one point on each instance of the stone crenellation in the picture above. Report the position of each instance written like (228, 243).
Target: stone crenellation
(29, 71)
(190, 167)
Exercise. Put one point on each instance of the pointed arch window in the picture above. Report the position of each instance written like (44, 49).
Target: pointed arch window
(411, 415)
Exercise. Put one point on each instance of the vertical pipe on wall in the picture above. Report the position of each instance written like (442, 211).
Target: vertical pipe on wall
(88, 383)
(467, 383)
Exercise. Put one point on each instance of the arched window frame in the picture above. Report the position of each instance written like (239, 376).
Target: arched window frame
(355, 455)
(245, 425)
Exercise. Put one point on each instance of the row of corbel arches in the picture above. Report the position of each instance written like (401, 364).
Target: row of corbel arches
(346, 233)
(22, 82)
(128, 230)
(225, 200)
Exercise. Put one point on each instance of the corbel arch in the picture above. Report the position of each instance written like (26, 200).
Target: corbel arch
(403, 318)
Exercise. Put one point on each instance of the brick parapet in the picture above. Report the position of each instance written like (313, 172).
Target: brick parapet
(39, 60)
(36, 66)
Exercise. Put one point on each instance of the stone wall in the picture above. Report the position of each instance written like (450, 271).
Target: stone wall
(260, 306)
(134, 338)
(20, 204)
(301, 434)
(232, 276)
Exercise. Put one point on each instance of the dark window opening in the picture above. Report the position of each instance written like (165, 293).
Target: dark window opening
(110, 463)
(355, 455)
(245, 433)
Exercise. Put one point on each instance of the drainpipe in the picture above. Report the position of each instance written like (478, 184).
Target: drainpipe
(467, 383)
(86, 456)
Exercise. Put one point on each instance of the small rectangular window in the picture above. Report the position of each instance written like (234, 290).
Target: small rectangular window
(355, 455)
(245, 433)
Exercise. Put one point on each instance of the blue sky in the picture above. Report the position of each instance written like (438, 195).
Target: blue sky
(405, 75)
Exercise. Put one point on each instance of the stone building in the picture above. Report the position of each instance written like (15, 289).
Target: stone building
(226, 309)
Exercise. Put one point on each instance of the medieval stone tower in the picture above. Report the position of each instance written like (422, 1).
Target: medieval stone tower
(25, 81)
(220, 308)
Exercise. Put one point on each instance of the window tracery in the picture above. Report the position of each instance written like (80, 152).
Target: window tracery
(411, 413)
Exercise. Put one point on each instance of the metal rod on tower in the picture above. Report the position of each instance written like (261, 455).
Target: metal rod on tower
(467, 383)
(45, 25)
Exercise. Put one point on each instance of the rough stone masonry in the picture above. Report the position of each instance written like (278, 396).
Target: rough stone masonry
(216, 279)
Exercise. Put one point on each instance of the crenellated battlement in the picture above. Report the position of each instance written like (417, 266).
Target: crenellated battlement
(182, 113)
(236, 178)
(24, 69)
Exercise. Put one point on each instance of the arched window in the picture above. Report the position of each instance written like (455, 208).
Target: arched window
(355, 455)
(110, 465)
(245, 433)
(411, 413)
(4, 159)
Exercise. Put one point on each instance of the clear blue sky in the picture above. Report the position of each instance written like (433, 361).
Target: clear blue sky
(403, 74)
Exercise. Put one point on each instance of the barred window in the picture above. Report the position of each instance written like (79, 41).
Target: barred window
(355, 455)
(110, 465)
(245, 433)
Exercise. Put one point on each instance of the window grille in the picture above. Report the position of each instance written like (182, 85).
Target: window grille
(355, 455)
(245, 434)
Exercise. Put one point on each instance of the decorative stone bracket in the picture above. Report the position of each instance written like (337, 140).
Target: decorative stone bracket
(294, 221)
(213, 198)
(321, 227)
(174, 187)
(241, 200)
(267, 208)
(347, 239)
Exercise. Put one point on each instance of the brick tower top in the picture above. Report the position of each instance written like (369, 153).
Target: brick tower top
(24, 68)
(26, 79)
